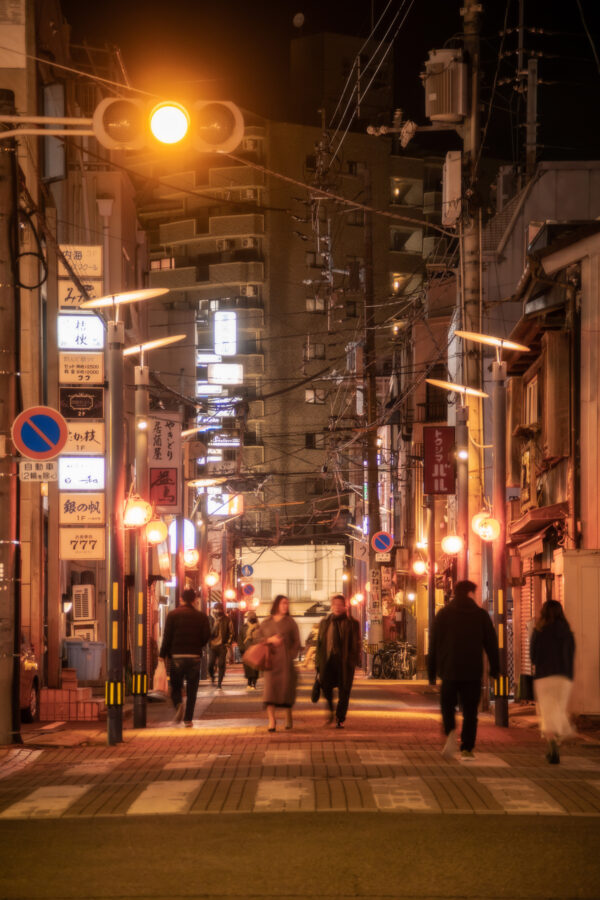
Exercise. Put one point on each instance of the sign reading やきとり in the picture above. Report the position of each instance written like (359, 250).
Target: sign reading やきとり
(164, 452)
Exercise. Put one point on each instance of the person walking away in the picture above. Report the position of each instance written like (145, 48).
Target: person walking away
(461, 632)
(337, 656)
(280, 631)
(221, 638)
(187, 631)
(552, 651)
(248, 632)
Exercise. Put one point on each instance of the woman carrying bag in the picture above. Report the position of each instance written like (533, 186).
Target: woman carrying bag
(552, 651)
(280, 633)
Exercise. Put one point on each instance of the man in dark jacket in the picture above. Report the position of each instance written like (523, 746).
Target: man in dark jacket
(221, 638)
(337, 655)
(460, 634)
(187, 631)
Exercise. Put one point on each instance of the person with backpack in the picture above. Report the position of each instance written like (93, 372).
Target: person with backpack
(246, 637)
(221, 638)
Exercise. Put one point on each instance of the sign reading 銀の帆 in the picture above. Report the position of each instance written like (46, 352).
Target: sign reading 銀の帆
(85, 508)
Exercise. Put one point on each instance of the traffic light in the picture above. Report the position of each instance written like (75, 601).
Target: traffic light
(208, 126)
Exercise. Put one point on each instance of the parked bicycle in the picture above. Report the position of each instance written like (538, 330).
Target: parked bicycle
(397, 659)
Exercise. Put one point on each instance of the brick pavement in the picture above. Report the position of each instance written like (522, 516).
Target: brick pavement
(386, 759)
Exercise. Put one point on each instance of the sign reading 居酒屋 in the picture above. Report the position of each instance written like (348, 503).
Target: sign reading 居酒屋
(164, 462)
(439, 459)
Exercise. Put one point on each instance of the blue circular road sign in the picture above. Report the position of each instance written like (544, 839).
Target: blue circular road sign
(39, 432)
(381, 541)
(247, 571)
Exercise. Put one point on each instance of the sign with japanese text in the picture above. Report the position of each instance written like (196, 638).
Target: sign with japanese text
(69, 295)
(81, 403)
(80, 332)
(77, 509)
(81, 473)
(85, 437)
(38, 471)
(439, 459)
(81, 543)
(84, 259)
(81, 368)
(164, 494)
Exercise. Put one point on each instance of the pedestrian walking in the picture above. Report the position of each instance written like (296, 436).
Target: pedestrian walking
(221, 638)
(187, 631)
(246, 637)
(461, 632)
(552, 651)
(280, 631)
(337, 655)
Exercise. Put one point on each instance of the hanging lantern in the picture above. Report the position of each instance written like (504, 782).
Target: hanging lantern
(452, 544)
(191, 557)
(478, 518)
(419, 566)
(231, 594)
(242, 604)
(211, 579)
(137, 512)
(156, 531)
(489, 529)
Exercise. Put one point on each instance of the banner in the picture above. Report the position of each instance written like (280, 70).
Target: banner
(439, 459)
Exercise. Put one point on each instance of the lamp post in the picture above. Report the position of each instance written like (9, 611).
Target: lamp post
(114, 688)
(140, 630)
(499, 509)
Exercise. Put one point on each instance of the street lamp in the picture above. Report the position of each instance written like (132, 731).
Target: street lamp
(499, 508)
(114, 690)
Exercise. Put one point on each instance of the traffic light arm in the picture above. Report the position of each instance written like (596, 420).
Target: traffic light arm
(45, 132)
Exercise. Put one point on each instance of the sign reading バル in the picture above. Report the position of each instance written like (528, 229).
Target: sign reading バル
(81, 368)
(76, 509)
(81, 543)
(439, 463)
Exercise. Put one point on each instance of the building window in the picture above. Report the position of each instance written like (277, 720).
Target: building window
(265, 587)
(314, 440)
(315, 304)
(436, 398)
(531, 402)
(295, 588)
(356, 217)
(314, 395)
(351, 309)
(167, 262)
(314, 351)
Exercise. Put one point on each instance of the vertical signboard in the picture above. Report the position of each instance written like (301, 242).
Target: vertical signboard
(439, 465)
(165, 463)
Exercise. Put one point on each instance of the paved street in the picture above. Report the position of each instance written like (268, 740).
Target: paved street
(486, 825)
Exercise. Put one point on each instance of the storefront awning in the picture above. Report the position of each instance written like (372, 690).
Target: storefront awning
(535, 522)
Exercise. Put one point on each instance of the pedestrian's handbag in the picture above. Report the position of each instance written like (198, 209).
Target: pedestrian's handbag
(258, 656)
(159, 682)
(316, 690)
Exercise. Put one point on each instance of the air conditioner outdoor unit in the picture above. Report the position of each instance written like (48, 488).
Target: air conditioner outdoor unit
(88, 631)
(249, 242)
(249, 290)
(225, 245)
(83, 602)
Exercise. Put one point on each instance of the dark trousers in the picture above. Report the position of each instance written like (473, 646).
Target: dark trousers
(188, 670)
(251, 674)
(468, 693)
(217, 657)
(333, 678)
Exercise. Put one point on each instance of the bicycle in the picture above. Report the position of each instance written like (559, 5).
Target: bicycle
(396, 660)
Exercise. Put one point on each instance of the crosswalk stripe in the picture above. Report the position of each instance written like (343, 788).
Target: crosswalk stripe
(165, 798)
(45, 802)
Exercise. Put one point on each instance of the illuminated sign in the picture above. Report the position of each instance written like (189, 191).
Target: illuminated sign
(203, 389)
(81, 403)
(225, 373)
(225, 333)
(221, 440)
(81, 543)
(84, 259)
(224, 504)
(85, 437)
(81, 332)
(206, 356)
(70, 297)
(74, 509)
(189, 535)
(81, 473)
(81, 368)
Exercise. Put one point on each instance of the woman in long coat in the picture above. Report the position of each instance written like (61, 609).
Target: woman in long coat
(281, 632)
(552, 650)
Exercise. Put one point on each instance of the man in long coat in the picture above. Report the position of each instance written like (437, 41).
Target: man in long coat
(337, 655)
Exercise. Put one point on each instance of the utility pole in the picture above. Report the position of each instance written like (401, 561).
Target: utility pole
(10, 595)
(471, 276)
(140, 675)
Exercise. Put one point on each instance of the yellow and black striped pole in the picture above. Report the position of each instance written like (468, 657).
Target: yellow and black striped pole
(140, 555)
(499, 546)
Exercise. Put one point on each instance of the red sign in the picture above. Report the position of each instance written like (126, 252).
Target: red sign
(439, 464)
(163, 487)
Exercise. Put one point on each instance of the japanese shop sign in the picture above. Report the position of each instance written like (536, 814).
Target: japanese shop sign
(75, 509)
(164, 494)
(81, 403)
(85, 437)
(81, 543)
(81, 368)
(85, 260)
(69, 295)
(81, 473)
(80, 332)
(38, 471)
(438, 467)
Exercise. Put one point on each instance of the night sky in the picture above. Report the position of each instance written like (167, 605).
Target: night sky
(237, 50)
